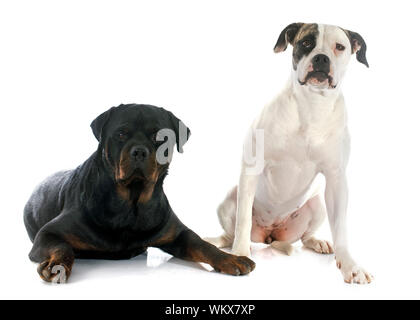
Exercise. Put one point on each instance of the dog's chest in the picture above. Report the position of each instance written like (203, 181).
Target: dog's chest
(291, 170)
(303, 147)
(294, 155)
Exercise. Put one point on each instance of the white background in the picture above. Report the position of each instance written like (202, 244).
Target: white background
(212, 63)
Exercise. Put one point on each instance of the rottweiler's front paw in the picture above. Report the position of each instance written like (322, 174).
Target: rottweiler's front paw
(235, 265)
(54, 271)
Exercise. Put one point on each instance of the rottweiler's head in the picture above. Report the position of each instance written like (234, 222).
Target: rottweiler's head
(136, 144)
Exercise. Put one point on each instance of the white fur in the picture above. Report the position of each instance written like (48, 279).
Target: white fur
(305, 136)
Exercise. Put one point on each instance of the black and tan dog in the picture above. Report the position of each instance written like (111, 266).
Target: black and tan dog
(113, 205)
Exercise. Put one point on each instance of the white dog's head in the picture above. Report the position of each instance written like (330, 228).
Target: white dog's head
(321, 52)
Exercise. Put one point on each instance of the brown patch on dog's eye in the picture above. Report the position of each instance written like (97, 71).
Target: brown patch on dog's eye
(304, 43)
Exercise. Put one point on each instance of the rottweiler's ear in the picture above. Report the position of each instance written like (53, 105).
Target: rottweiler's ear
(358, 46)
(182, 133)
(287, 36)
(98, 124)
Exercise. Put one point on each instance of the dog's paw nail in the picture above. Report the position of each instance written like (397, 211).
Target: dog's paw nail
(235, 266)
(355, 274)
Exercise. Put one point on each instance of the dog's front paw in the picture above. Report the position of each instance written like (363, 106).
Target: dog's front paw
(352, 273)
(235, 265)
(54, 271)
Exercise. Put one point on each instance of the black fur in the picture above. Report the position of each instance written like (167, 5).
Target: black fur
(91, 212)
(357, 41)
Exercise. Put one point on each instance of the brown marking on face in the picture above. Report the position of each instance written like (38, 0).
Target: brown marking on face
(77, 243)
(120, 174)
(151, 179)
(306, 30)
(123, 168)
(147, 192)
(123, 192)
(123, 171)
(310, 31)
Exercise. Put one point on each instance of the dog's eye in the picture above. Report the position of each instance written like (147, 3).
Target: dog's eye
(340, 47)
(122, 135)
(307, 43)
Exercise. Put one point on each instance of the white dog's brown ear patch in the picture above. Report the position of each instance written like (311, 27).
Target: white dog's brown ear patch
(287, 36)
(358, 46)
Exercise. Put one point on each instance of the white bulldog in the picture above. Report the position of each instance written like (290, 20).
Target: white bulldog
(305, 136)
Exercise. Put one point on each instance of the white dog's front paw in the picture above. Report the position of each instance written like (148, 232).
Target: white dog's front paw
(352, 273)
(242, 249)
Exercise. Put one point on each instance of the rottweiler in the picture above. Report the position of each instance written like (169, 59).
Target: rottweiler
(113, 205)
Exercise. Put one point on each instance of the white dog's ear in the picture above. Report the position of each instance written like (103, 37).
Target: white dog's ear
(358, 46)
(287, 36)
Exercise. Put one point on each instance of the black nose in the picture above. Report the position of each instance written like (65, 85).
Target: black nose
(321, 63)
(139, 153)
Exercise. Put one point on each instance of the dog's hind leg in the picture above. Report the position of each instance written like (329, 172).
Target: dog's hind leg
(318, 212)
(227, 217)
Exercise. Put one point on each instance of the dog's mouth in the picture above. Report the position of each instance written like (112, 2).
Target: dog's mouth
(138, 186)
(135, 184)
(318, 79)
(136, 177)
